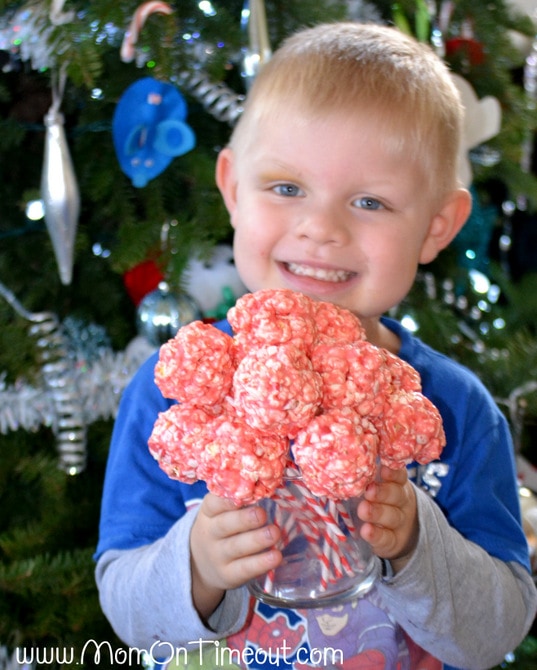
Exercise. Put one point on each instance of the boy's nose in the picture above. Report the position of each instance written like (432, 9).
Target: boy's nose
(323, 227)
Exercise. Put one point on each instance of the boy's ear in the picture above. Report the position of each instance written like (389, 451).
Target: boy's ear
(226, 179)
(446, 223)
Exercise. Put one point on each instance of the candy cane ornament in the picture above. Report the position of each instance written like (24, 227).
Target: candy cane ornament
(128, 47)
(57, 16)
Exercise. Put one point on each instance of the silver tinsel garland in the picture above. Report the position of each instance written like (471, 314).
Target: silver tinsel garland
(99, 385)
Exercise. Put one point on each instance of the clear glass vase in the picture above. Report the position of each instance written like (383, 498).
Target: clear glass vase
(325, 561)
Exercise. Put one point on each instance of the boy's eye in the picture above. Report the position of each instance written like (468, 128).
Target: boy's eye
(368, 203)
(289, 190)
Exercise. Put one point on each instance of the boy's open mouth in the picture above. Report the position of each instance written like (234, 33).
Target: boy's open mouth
(322, 274)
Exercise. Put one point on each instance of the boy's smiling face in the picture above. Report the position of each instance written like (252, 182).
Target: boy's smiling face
(321, 206)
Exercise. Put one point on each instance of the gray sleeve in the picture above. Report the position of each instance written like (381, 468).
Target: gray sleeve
(456, 601)
(145, 594)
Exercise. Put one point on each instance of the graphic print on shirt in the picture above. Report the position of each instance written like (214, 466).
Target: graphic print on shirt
(361, 632)
(356, 635)
(429, 477)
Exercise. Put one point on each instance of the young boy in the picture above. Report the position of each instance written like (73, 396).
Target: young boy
(340, 179)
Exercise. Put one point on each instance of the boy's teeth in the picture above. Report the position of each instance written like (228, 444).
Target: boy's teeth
(318, 273)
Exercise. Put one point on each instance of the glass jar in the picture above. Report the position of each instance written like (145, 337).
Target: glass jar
(325, 561)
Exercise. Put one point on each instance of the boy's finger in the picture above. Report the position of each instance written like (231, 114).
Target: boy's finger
(214, 505)
(238, 520)
(386, 516)
(249, 543)
(398, 475)
(242, 570)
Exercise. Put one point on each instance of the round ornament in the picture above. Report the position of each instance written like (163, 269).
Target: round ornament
(163, 311)
(467, 48)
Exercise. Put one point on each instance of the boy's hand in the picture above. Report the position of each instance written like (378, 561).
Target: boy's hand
(228, 547)
(389, 513)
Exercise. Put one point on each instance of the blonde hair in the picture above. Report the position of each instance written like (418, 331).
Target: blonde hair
(345, 67)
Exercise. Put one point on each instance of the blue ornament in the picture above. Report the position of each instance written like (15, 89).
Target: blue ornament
(149, 129)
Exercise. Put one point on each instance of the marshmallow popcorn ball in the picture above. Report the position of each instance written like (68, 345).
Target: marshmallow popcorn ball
(298, 387)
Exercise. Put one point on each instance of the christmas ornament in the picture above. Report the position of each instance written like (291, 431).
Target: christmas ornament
(142, 279)
(99, 385)
(57, 368)
(128, 47)
(482, 121)
(57, 16)
(82, 383)
(464, 46)
(214, 283)
(149, 130)
(217, 99)
(258, 51)
(59, 188)
(468, 48)
(522, 42)
(163, 311)
(69, 426)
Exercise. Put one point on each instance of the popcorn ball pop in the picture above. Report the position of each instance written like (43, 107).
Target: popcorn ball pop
(275, 388)
(298, 390)
(273, 318)
(353, 375)
(410, 430)
(196, 366)
(236, 457)
(337, 453)
(175, 442)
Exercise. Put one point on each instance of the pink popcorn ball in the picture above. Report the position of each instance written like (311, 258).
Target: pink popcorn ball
(272, 316)
(411, 430)
(337, 324)
(174, 441)
(353, 375)
(337, 454)
(239, 462)
(276, 389)
(197, 365)
(404, 376)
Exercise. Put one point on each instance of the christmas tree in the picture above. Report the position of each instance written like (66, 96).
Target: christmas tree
(75, 284)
